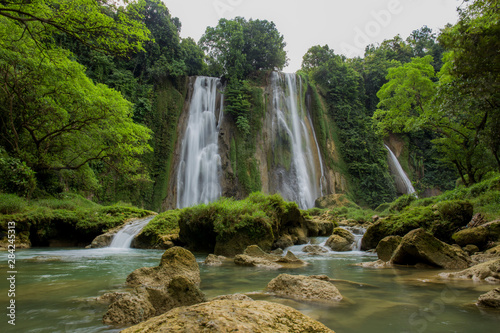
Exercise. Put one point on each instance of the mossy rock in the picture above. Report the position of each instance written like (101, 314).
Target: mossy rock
(453, 215)
(475, 236)
(387, 246)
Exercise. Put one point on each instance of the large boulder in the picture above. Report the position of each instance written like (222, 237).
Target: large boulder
(490, 300)
(386, 247)
(303, 287)
(146, 302)
(175, 261)
(475, 236)
(419, 246)
(318, 226)
(453, 215)
(221, 316)
(488, 271)
(175, 282)
(340, 240)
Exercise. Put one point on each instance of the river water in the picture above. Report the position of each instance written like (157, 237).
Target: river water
(54, 290)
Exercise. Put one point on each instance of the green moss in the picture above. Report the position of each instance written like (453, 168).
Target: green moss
(69, 217)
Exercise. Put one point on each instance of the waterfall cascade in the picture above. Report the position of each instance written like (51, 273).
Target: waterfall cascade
(300, 168)
(199, 167)
(402, 179)
(123, 238)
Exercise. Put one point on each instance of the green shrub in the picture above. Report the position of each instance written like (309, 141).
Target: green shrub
(11, 204)
(16, 177)
(402, 202)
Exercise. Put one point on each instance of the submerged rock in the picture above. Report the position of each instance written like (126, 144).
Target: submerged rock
(420, 247)
(232, 316)
(387, 246)
(303, 287)
(489, 271)
(214, 260)
(490, 300)
(255, 257)
(315, 249)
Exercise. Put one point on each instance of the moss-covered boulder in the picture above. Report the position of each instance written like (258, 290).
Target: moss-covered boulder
(175, 282)
(175, 261)
(386, 247)
(341, 240)
(452, 215)
(162, 232)
(441, 220)
(476, 236)
(419, 246)
(224, 316)
(226, 227)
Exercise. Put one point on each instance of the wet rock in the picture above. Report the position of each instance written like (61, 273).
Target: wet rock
(290, 258)
(231, 316)
(488, 271)
(341, 240)
(163, 242)
(146, 302)
(131, 308)
(175, 282)
(303, 287)
(109, 298)
(214, 260)
(245, 260)
(103, 240)
(418, 246)
(315, 249)
(255, 257)
(490, 300)
(375, 264)
(175, 261)
(386, 247)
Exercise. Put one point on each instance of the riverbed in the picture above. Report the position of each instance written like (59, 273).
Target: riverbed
(55, 290)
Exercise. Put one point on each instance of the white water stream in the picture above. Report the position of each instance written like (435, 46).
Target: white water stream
(124, 237)
(400, 174)
(199, 168)
(300, 183)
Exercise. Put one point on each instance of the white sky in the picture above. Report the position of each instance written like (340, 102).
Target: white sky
(347, 26)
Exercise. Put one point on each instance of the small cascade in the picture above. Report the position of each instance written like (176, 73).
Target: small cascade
(402, 180)
(299, 172)
(358, 233)
(200, 163)
(123, 238)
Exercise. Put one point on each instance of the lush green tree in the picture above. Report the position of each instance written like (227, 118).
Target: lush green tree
(103, 25)
(342, 87)
(410, 101)
(54, 117)
(239, 47)
(475, 61)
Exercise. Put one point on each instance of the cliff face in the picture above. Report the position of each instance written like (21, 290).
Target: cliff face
(271, 153)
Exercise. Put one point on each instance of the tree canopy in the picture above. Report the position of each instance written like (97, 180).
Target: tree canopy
(103, 25)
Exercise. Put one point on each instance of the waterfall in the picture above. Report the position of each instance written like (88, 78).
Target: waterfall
(401, 177)
(199, 168)
(123, 238)
(297, 176)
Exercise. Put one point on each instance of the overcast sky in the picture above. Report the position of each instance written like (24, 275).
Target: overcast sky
(347, 26)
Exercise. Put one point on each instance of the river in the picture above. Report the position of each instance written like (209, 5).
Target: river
(54, 290)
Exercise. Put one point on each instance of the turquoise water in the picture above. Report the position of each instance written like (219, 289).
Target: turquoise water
(55, 287)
